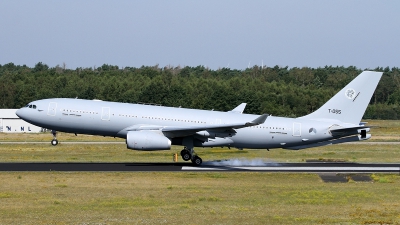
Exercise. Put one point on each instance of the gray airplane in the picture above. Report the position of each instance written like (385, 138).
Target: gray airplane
(149, 127)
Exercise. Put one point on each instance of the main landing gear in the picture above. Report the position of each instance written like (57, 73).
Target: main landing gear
(189, 154)
(54, 142)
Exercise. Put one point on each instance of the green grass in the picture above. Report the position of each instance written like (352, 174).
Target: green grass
(47, 137)
(194, 198)
(384, 130)
(45, 152)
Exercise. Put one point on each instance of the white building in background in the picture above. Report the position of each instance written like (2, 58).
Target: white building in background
(11, 123)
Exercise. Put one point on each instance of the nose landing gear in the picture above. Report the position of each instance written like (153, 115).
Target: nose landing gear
(54, 142)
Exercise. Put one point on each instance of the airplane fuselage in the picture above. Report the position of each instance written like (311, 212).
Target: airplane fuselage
(116, 119)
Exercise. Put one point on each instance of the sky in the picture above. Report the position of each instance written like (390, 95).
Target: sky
(212, 33)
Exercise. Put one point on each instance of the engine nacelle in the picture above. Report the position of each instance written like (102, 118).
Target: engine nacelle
(147, 140)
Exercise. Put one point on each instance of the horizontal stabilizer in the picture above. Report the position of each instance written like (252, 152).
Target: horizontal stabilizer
(332, 142)
(350, 131)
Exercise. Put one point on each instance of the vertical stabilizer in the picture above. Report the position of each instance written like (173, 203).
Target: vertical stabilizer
(350, 103)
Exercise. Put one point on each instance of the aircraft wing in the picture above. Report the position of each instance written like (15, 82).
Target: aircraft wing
(217, 128)
(182, 131)
(255, 122)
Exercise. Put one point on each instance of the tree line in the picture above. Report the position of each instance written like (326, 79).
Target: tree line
(280, 91)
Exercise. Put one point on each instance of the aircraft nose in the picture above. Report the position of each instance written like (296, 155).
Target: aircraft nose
(20, 113)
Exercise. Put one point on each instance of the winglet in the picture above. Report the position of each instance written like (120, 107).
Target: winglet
(261, 119)
(239, 108)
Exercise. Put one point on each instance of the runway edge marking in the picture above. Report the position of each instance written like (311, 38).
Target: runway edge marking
(321, 169)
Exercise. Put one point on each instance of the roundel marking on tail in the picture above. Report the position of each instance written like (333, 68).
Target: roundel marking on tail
(350, 93)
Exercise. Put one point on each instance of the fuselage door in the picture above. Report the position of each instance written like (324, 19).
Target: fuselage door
(105, 113)
(52, 109)
(296, 129)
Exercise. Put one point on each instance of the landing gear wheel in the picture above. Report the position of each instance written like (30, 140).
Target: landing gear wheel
(54, 142)
(185, 155)
(197, 161)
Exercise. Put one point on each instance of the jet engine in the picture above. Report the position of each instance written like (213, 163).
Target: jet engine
(147, 140)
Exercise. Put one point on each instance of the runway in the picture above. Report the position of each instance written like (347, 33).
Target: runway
(122, 142)
(314, 167)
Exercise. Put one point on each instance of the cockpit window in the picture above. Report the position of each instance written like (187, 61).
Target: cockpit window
(30, 106)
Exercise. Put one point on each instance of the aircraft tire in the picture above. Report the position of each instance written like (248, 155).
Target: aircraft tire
(54, 142)
(185, 155)
(197, 161)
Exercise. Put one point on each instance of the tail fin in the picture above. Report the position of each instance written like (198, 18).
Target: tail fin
(350, 103)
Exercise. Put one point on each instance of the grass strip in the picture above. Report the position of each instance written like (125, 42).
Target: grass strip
(194, 198)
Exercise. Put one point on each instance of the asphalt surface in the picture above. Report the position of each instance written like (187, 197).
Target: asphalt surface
(218, 166)
(122, 142)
